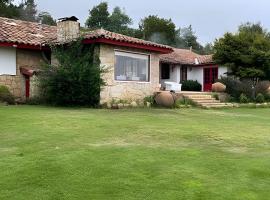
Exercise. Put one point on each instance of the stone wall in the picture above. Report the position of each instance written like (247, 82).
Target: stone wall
(16, 83)
(126, 90)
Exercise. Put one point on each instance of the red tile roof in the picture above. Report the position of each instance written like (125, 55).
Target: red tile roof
(101, 33)
(186, 57)
(28, 33)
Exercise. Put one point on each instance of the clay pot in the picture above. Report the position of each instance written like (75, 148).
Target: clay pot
(268, 90)
(218, 87)
(165, 99)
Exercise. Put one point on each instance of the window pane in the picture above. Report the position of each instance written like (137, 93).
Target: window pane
(131, 67)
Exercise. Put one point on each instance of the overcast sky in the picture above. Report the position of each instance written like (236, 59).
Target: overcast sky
(209, 18)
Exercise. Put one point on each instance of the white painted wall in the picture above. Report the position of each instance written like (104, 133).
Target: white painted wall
(195, 74)
(7, 61)
(174, 75)
(222, 71)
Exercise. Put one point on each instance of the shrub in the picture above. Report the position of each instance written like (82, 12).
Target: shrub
(260, 98)
(150, 99)
(6, 96)
(76, 80)
(191, 85)
(243, 98)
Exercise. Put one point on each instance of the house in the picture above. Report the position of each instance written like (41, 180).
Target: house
(23, 48)
(184, 64)
(135, 68)
(132, 64)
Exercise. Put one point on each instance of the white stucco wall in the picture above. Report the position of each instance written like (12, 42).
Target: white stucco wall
(175, 71)
(195, 74)
(222, 71)
(7, 61)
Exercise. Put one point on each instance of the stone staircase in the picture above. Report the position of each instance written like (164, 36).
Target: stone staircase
(205, 100)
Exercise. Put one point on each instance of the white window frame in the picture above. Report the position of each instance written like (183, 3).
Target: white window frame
(8, 58)
(136, 53)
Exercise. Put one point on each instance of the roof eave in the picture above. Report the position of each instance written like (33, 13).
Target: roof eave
(161, 50)
(25, 46)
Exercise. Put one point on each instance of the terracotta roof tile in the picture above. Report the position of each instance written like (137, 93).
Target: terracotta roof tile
(186, 57)
(101, 33)
(23, 32)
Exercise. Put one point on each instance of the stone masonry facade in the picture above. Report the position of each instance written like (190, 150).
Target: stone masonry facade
(16, 83)
(126, 90)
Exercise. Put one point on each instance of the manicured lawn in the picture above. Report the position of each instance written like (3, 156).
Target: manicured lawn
(57, 153)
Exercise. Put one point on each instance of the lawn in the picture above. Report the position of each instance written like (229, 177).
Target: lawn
(68, 153)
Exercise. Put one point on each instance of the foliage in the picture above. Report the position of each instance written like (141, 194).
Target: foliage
(243, 98)
(8, 9)
(191, 85)
(6, 96)
(186, 38)
(246, 53)
(260, 98)
(158, 30)
(119, 21)
(98, 16)
(46, 18)
(28, 10)
(76, 80)
(149, 99)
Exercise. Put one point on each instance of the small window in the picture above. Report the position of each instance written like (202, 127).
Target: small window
(131, 67)
(7, 61)
(165, 71)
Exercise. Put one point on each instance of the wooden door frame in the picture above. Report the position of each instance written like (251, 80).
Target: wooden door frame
(211, 76)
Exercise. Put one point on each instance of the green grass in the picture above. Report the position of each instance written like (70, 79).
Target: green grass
(57, 153)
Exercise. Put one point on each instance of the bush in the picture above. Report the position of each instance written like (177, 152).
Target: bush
(243, 98)
(149, 99)
(260, 98)
(191, 85)
(6, 96)
(76, 80)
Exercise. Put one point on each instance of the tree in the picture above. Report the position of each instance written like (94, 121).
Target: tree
(246, 53)
(28, 11)
(8, 9)
(46, 18)
(158, 30)
(208, 48)
(119, 21)
(98, 17)
(186, 38)
(77, 78)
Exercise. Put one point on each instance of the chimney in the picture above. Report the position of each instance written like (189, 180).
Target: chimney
(68, 29)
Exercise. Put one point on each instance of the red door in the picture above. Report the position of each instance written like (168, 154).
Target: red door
(27, 87)
(210, 76)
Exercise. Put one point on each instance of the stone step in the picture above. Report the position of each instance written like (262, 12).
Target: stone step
(207, 101)
(199, 96)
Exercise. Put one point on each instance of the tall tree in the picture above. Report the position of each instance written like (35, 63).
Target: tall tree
(246, 52)
(187, 38)
(46, 18)
(119, 21)
(98, 17)
(29, 11)
(8, 9)
(158, 30)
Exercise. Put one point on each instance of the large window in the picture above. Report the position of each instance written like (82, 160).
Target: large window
(131, 67)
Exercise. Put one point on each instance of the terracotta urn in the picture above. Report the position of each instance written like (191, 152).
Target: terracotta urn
(218, 87)
(165, 99)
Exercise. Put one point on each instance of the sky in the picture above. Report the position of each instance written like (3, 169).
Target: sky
(210, 19)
